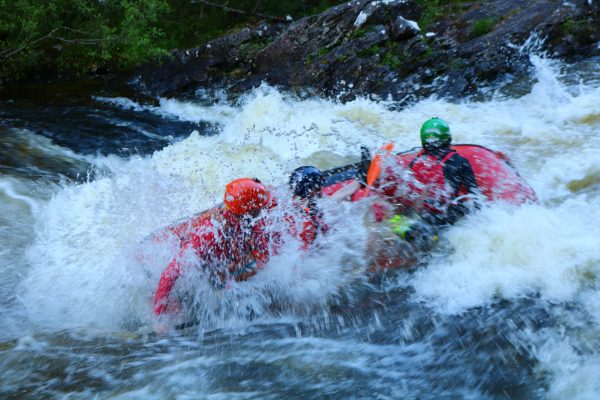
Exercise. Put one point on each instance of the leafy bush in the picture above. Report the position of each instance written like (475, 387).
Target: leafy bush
(79, 34)
(435, 9)
(483, 26)
(85, 35)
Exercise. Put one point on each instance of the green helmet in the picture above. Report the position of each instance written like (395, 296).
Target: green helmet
(435, 130)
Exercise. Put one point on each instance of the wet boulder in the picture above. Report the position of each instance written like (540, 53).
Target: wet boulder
(402, 29)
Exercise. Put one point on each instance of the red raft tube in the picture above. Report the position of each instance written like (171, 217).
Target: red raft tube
(495, 175)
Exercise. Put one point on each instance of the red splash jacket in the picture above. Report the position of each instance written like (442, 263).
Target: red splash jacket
(222, 242)
(227, 246)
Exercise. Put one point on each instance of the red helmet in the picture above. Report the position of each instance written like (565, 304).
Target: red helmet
(245, 195)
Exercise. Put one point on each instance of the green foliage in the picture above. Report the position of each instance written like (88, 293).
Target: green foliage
(252, 47)
(369, 52)
(457, 63)
(483, 26)
(84, 35)
(580, 28)
(392, 60)
(323, 51)
(426, 54)
(568, 26)
(320, 6)
(342, 57)
(435, 9)
(358, 33)
(79, 35)
(394, 57)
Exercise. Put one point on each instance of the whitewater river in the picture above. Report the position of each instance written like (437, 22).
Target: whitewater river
(508, 306)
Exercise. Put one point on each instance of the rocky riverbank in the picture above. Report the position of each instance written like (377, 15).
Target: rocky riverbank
(386, 49)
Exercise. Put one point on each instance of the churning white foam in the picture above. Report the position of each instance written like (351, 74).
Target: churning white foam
(80, 273)
(515, 252)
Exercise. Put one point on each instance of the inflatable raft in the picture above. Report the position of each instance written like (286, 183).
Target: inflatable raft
(495, 175)
(497, 178)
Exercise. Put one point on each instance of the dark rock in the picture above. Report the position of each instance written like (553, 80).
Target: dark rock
(373, 38)
(384, 12)
(401, 29)
(374, 49)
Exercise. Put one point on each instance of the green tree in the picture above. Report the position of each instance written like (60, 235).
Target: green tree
(84, 35)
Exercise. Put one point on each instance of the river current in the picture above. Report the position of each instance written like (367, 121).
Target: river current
(508, 306)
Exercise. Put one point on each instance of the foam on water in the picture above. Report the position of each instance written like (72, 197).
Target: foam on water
(86, 227)
(82, 269)
(217, 112)
(512, 253)
(87, 233)
(574, 374)
(18, 207)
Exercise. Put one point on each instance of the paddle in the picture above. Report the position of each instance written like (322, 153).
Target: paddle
(373, 173)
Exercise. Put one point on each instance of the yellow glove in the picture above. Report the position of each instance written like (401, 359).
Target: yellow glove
(400, 224)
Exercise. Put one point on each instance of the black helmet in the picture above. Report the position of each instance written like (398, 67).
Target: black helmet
(306, 181)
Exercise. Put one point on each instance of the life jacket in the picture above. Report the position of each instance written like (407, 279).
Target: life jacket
(430, 184)
(264, 241)
(217, 238)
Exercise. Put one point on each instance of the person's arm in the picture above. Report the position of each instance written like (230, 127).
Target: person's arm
(267, 238)
(243, 270)
(311, 222)
(162, 302)
(458, 172)
(309, 233)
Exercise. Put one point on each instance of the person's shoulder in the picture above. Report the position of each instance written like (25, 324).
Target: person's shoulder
(455, 162)
(456, 157)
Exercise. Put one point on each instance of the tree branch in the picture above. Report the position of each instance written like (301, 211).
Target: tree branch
(6, 54)
(241, 12)
(256, 5)
(78, 41)
(23, 47)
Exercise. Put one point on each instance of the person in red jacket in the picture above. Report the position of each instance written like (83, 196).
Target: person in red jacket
(435, 188)
(441, 186)
(229, 243)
